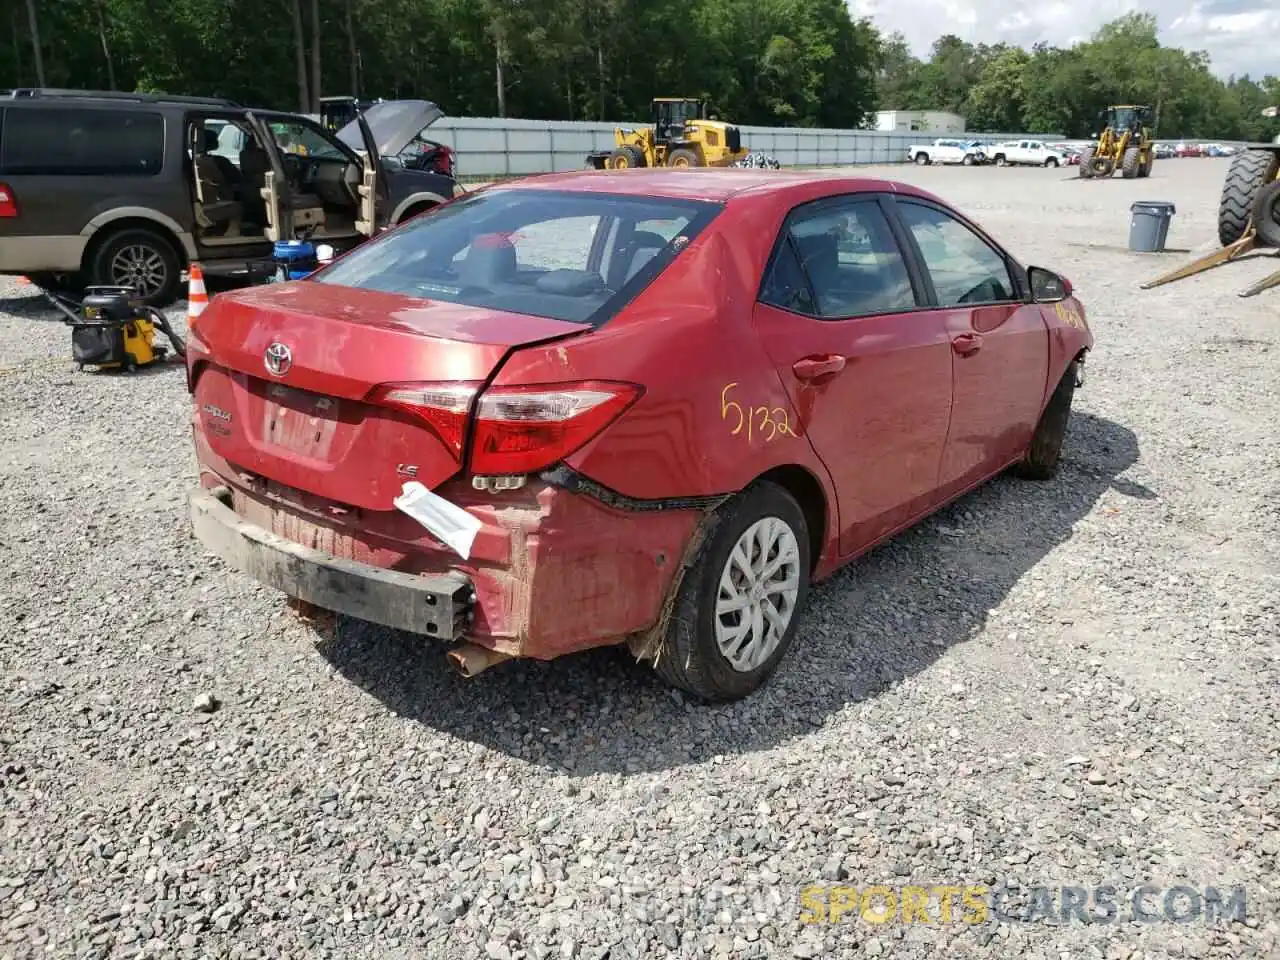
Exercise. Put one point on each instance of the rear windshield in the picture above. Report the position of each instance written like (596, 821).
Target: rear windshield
(566, 255)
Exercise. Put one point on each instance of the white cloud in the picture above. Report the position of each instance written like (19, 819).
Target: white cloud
(1239, 35)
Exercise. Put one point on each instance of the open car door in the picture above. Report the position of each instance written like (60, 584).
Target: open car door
(374, 191)
(275, 190)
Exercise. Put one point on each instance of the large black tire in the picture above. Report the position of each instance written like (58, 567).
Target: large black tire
(1248, 173)
(1130, 163)
(1102, 166)
(1144, 168)
(625, 158)
(683, 157)
(1041, 459)
(141, 258)
(689, 656)
(1086, 163)
(1266, 214)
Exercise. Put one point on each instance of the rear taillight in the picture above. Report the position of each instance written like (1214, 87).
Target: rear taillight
(443, 406)
(517, 430)
(8, 201)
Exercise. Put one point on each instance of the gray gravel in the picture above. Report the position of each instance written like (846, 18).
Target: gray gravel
(1071, 683)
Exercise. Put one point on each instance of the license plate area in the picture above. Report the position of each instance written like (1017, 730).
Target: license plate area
(300, 422)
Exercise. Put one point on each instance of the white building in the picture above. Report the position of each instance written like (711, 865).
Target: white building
(922, 121)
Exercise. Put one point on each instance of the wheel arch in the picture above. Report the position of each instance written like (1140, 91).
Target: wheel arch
(121, 224)
(414, 204)
(808, 492)
(121, 218)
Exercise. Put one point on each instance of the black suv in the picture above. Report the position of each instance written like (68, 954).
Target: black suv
(127, 188)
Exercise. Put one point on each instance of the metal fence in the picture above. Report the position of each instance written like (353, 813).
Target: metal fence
(493, 147)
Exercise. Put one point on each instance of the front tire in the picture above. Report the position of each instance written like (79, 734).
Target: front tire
(1131, 163)
(1045, 450)
(739, 603)
(922, 159)
(1086, 163)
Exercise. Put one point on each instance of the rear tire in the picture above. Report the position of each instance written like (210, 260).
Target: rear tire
(1144, 168)
(1130, 163)
(692, 654)
(1086, 163)
(1043, 454)
(140, 258)
(1248, 174)
(683, 157)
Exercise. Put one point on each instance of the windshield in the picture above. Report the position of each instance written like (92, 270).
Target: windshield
(293, 136)
(1123, 118)
(565, 255)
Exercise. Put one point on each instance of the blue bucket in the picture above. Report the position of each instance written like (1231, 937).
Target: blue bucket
(294, 259)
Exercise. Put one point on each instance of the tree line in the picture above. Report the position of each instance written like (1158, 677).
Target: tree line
(767, 62)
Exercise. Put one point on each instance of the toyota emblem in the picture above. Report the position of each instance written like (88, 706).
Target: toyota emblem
(278, 359)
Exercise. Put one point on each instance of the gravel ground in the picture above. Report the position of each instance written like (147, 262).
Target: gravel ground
(1071, 683)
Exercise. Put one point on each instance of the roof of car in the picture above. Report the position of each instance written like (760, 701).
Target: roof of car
(717, 184)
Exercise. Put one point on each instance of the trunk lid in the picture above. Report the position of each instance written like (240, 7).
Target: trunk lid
(285, 391)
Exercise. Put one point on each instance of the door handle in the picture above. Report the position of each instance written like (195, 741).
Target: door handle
(810, 368)
(966, 344)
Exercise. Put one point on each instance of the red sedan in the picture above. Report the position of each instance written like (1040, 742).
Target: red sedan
(647, 406)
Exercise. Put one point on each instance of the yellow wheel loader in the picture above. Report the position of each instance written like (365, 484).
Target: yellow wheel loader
(682, 135)
(1125, 145)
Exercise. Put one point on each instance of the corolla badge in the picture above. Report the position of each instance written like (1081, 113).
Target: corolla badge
(278, 359)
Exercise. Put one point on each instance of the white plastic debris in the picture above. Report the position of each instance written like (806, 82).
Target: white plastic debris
(445, 521)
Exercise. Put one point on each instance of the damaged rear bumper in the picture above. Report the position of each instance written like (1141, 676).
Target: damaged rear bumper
(436, 605)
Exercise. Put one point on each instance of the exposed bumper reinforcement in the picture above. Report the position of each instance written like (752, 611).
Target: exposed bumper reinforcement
(434, 605)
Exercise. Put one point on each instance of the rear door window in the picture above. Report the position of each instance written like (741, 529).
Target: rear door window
(83, 142)
(848, 255)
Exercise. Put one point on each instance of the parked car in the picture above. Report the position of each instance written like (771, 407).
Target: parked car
(1027, 153)
(124, 188)
(1165, 151)
(946, 151)
(594, 407)
(398, 131)
(1184, 149)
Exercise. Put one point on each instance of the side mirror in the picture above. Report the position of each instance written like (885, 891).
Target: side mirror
(1047, 286)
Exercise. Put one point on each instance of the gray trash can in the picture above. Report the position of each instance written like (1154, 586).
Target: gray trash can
(1149, 225)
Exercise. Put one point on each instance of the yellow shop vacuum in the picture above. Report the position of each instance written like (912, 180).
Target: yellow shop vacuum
(112, 329)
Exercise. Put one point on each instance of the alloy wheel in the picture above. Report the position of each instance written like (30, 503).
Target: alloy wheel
(757, 593)
(140, 267)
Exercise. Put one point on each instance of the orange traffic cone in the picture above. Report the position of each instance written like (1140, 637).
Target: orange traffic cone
(197, 298)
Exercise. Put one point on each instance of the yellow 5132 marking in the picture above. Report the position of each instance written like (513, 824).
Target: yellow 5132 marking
(754, 420)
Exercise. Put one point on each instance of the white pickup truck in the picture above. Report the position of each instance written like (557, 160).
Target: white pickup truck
(1033, 152)
(946, 151)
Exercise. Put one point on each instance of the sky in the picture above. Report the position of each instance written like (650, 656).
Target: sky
(1239, 35)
